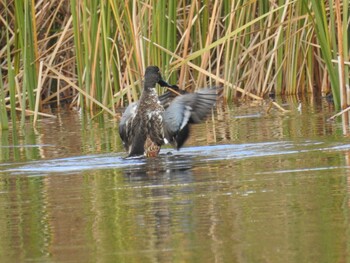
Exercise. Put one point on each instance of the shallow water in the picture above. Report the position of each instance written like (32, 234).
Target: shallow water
(248, 187)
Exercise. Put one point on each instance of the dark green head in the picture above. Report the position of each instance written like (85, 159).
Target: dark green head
(153, 76)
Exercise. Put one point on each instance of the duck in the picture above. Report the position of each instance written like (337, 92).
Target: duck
(148, 124)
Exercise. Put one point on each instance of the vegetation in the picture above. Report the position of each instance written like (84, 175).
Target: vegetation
(91, 54)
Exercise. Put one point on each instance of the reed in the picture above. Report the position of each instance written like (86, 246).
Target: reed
(11, 86)
(327, 41)
(3, 111)
(93, 53)
(28, 46)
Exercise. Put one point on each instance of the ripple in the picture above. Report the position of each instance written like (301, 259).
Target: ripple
(174, 160)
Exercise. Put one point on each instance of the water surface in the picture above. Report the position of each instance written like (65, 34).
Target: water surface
(247, 187)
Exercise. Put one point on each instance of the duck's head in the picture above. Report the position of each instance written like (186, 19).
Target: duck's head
(153, 76)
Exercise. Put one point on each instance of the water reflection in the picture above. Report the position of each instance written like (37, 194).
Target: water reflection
(249, 187)
(157, 184)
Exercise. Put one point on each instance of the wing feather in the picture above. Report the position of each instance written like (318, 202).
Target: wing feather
(126, 123)
(184, 110)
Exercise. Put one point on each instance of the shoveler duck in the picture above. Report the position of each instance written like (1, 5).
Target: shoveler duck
(146, 125)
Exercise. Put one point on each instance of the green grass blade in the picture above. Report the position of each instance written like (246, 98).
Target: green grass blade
(3, 112)
(320, 23)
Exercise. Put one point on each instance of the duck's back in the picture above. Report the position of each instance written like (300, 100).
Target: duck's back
(146, 131)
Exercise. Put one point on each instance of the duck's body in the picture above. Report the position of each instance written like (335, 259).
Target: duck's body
(146, 125)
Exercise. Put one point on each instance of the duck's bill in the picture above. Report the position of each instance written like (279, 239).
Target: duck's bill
(163, 83)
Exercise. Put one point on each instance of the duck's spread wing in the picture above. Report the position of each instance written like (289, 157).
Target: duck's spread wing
(125, 125)
(202, 104)
(166, 98)
(184, 110)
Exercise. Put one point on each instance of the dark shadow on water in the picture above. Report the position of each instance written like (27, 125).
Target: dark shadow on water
(164, 164)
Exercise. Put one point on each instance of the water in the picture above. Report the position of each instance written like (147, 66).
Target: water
(248, 187)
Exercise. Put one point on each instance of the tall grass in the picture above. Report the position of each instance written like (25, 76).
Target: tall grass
(92, 54)
(3, 111)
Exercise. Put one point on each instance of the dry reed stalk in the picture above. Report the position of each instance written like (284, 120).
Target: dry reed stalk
(252, 47)
(73, 85)
(341, 66)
